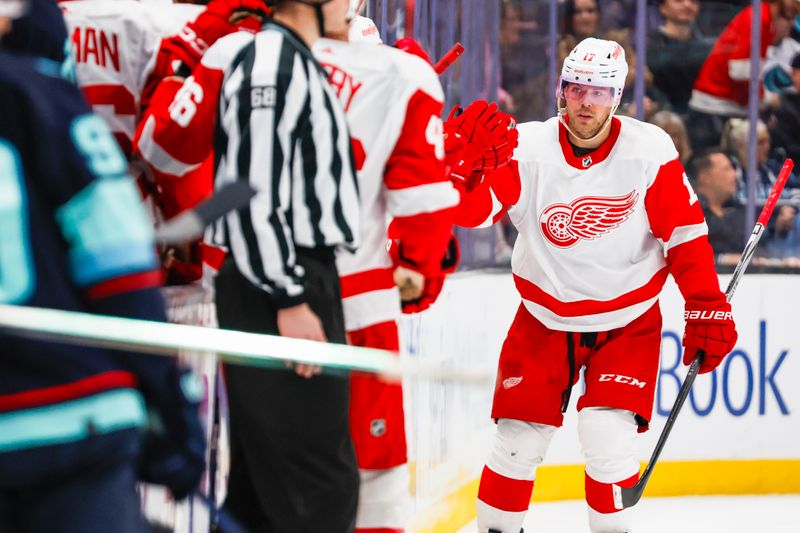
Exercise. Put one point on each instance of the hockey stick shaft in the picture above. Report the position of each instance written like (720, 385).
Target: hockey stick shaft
(448, 58)
(224, 522)
(630, 496)
(191, 224)
(239, 347)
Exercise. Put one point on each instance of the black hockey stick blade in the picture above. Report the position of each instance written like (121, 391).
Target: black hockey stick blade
(631, 496)
(191, 224)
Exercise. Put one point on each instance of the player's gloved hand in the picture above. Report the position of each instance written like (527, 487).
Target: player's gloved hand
(709, 327)
(478, 139)
(411, 46)
(220, 18)
(174, 449)
(434, 283)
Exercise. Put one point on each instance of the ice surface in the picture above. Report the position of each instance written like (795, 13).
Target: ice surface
(707, 514)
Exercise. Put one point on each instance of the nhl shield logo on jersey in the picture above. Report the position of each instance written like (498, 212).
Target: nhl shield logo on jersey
(587, 217)
(587, 161)
(377, 427)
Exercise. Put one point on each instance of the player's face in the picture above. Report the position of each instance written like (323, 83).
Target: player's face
(587, 107)
(335, 13)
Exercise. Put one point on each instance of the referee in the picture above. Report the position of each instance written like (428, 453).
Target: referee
(281, 128)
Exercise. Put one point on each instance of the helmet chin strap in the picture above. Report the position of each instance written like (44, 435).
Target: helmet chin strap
(563, 111)
(320, 20)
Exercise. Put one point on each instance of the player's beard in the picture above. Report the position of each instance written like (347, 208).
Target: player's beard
(590, 128)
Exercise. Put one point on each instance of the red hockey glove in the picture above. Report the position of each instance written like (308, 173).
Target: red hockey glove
(433, 284)
(709, 327)
(481, 138)
(220, 18)
(410, 46)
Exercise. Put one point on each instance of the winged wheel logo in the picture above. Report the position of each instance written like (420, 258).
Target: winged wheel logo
(587, 217)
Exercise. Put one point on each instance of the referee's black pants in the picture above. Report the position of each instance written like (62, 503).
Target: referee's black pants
(293, 469)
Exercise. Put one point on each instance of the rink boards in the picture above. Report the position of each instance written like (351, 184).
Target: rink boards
(738, 433)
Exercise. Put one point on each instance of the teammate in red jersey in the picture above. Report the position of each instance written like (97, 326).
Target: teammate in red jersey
(393, 102)
(123, 51)
(605, 212)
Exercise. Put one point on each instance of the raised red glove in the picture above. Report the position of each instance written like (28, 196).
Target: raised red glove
(220, 18)
(411, 46)
(433, 284)
(710, 328)
(480, 138)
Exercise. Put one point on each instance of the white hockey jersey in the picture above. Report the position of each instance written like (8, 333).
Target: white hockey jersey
(115, 46)
(599, 234)
(393, 102)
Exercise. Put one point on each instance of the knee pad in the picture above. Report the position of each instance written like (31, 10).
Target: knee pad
(519, 447)
(608, 442)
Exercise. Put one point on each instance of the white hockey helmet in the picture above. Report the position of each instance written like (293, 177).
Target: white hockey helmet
(355, 9)
(363, 30)
(598, 63)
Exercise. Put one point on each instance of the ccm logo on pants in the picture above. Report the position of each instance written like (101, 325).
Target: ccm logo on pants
(622, 379)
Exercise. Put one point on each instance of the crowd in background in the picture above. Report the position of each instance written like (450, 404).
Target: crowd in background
(696, 89)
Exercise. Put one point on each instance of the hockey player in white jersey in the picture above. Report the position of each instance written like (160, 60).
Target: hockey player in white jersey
(605, 212)
(122, 49)
(393, 101)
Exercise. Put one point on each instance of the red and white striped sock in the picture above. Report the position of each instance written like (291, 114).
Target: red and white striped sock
(606, 513)
(502, 502)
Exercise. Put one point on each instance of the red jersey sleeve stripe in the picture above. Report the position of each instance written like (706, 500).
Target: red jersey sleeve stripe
(426, 198)
(367, 281)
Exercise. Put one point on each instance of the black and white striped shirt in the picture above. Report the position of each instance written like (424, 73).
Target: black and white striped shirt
(282, 128)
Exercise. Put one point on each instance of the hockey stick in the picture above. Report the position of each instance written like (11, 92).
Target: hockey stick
(159, 338)
(448, 58)
(224, 521)
(191, 224)
(628, 497)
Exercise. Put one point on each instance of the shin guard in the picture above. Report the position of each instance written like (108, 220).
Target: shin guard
(608, 440)
(507, 480)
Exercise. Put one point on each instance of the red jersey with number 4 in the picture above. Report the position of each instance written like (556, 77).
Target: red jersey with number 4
(598, 234)
(115, 46)
(393, 102)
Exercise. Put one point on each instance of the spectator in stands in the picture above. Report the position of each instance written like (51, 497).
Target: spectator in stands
(714, 180)
(777, 69)
(735, 142)
(721, 89)
(786, 126)
(783, 240)
(672, 123)
(676, 51)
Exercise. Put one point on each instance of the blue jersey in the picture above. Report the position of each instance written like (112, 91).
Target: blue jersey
(73, 236)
